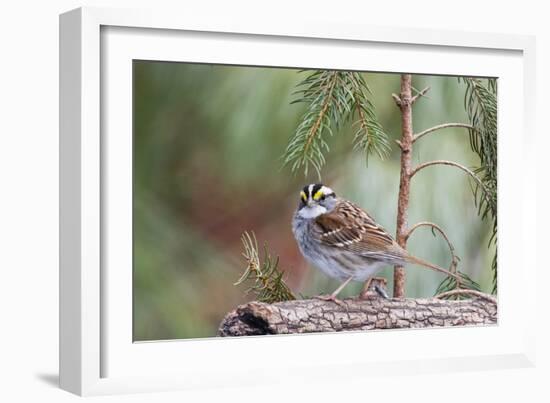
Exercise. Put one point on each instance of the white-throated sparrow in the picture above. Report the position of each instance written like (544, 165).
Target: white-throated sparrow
(342, 240)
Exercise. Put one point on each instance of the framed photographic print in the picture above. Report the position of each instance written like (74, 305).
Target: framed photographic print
(240, 190)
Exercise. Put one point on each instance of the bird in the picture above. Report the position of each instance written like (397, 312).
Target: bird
(343, 240)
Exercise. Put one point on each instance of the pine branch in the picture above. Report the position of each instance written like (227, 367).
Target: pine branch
(480, 102)
(333, 97)
(370, 137)
(268, 284)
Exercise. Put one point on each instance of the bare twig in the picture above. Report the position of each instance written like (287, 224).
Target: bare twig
(457, 165)
(442, 126)
(396, 99)
(420, 94)
(454, 258)
(450, 163)
(467, 292)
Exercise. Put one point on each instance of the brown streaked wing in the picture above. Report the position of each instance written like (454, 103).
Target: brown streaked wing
(350, 228)
(335, 231)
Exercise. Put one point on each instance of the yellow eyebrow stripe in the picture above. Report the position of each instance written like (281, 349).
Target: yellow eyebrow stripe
(318, 194)
(303, 196)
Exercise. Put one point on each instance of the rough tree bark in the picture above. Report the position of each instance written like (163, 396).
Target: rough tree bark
(313, 315)
(404, 102)
(369, 311)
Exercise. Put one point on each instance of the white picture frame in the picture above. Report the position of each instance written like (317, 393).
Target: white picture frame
(97, 354)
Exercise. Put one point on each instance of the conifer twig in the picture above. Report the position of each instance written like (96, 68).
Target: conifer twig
(333, 98)
(267, 280)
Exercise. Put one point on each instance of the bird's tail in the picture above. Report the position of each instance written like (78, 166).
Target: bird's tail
(415, 260)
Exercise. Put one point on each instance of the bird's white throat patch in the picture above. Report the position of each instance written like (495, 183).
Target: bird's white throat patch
(312, 212)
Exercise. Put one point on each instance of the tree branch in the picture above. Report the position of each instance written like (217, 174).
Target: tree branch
(467, 292)
(457, 165)
(450, 163)
(406, 144)
(313, 315)
(441, 126)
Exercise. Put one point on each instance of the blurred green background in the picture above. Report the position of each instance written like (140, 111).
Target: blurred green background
(208, 141)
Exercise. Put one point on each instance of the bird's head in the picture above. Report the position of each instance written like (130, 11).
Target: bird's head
(316, 199)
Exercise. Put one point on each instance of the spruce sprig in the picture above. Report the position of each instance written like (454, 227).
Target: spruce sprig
(267, 280)
(370, 136)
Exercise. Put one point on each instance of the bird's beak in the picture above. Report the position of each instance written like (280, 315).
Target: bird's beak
(310, 203)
